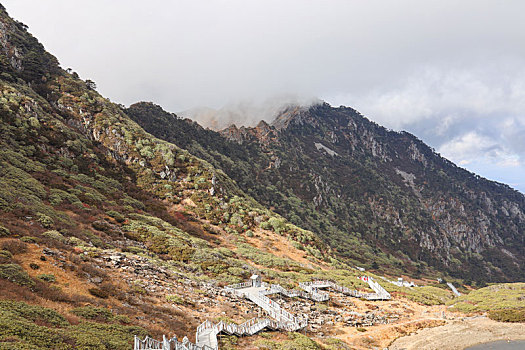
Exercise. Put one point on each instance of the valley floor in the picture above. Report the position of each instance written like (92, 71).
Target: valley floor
(461, 333)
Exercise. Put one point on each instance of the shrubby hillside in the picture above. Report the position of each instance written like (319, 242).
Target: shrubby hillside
(379, 198)
(117, 222)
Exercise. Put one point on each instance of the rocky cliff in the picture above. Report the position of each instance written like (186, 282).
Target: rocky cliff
(375, 196)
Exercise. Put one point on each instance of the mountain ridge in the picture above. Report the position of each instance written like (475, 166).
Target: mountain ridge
(399, 159)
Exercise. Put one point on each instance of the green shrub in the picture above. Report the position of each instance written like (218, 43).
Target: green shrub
(122, 319)
(93, 313)
(264, 258)
(503, 296)
(174, 299)
(132, 249)
(297, 341)
(29, 327)
(47, 277)
(102, 225)
(34, 266)
(335, 344)
(428, 295)
(4, 231)
(29, 239)
(34, 312)
(16, 274)
(25, 334)
(54, 235)
(45, 220)
(101, 336)
(508, 315)
(5, 256)
(117, 216)
(133, 203)
(99, 293)
(16, 183)
(57, 196)
(94, 239)
(75, 241)
(228, 342)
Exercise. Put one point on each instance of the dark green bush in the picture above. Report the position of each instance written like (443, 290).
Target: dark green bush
(5, 256)
(25, 334)
(508, 315)
(34, 313)
(47, 277)
(92, 335)
(29, 239)
(117, 216)
(16, 274)
(93, 313)
(133, 202)
(4, 231)
(99, 293)
(132, 249)
(101, 225)
(45, 220)
(38, 328)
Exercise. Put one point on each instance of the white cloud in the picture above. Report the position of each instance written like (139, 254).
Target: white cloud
(446, 95)
(473, 147)
(438, 68)
(470, 114)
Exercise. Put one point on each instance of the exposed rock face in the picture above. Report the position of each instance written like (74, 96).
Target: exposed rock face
(362, 187)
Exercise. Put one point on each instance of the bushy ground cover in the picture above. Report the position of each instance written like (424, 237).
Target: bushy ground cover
(505, 302)
(24, 326)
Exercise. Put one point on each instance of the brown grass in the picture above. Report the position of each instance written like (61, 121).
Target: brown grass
(15, 246)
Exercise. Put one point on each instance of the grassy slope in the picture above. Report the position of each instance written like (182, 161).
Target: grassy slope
(495, 297)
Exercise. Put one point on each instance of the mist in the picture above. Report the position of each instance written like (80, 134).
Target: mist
(450, 72)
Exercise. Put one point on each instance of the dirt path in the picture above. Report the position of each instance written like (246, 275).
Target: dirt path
(459, 334)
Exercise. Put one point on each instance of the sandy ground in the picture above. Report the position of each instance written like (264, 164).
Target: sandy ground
(459, 334)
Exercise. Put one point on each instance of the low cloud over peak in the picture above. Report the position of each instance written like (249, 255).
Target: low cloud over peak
(245, 113)
(444, 70)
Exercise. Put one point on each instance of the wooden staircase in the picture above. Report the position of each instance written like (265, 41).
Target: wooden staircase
(279, 319)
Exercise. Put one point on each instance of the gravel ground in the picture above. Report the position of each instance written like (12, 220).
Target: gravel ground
(460, 334)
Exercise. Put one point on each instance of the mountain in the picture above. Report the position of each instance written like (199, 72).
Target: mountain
(377, 197)
(104, 228)
(109, 232)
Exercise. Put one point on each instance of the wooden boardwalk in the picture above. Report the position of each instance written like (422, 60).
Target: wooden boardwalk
(279, 319)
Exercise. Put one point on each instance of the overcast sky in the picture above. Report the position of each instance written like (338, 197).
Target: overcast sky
(451, 72)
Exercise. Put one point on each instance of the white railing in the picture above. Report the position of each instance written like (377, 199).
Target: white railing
(311, 289)
(239, 285)
(380, 292)
(167, 344)
(207, 332)
(454, 290)
(289, 321)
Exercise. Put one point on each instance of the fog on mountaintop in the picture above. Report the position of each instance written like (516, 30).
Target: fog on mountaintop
(247, 113)
(451, 72)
